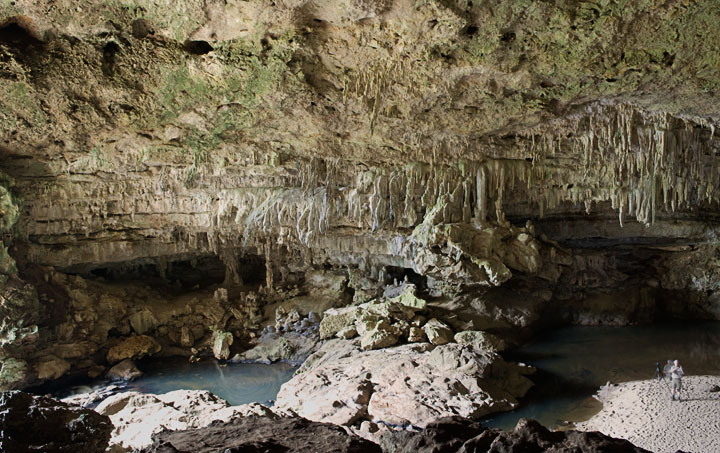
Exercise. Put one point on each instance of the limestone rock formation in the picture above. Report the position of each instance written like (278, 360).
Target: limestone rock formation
(125, 370)
(38, 423)
(480, 340)
(454, 434)
(260, 434)
(174, 169)
(137, 417)
(408, 384)
(134, 347)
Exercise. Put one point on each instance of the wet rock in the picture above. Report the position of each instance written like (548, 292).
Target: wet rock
(258, 434)
(137, 416)
(125, 370)
(221, 342)
(438, 332)
(407, 384)
(480, 340)
(134, 347)
(38, 423)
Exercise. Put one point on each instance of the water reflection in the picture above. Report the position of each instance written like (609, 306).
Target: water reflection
(575, 361)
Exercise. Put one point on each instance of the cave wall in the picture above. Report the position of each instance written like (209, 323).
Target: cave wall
(522, 156)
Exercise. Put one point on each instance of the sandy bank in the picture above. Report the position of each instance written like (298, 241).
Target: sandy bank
(643, 413)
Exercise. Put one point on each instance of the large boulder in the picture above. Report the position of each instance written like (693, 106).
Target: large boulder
(134, 347)
(438, 332)
(138, 416)
(408, 384)
(270, 348)
(36, 423)
(221, 342)
(480, 340)
(261, 434)
(51, 367)
(336, 319)
(125, 370)
(143, 321)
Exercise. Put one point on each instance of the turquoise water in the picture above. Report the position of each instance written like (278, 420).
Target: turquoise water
(574, 361)
(237, 383)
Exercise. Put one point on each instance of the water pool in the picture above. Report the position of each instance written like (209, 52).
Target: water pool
(573, 362)
(237, 383)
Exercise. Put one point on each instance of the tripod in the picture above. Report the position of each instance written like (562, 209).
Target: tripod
(661, 378)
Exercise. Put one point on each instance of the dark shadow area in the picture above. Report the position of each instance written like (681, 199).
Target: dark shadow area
(181, 274)
(18, 35)
(197, 47)
(401, 274)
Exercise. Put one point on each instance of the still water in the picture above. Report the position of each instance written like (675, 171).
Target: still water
(574, 361)
(237, 383)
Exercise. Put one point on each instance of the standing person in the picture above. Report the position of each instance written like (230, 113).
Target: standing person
(676, 374)
(666, 370)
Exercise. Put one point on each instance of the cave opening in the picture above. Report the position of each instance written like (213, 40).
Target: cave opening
(401, 274)
(182, 274)
(17, 34)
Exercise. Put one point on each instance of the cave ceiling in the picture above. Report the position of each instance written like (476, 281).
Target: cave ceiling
(143, 128)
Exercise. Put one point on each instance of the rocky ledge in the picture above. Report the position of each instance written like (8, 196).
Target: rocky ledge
(36, 423)
(449, 435)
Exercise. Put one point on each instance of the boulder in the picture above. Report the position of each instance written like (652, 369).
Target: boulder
(260, 434)
(51, 367)
(347, 333)
(409, 299)
(406, 384)
(438, 332)
(137, 416)
(416, 335)
(444, 435)
(38, 423)
(382, 335)
(480, 340)
(134, 347)
(14, 373)
(270, 348)
(187, 339)
(456, 434)
(336, 319)
(125, 370)
(143, 321)
(221, 342)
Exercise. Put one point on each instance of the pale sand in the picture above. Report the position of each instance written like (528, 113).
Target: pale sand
(643, 413)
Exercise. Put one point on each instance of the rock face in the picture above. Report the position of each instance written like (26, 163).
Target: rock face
(518, 161)
(32, 423)
(260, 434)
(408, 384)
(463, 436)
